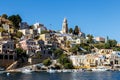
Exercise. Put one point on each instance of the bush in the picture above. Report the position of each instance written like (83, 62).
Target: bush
(68, 66)
(57, 66)
(47, 62)
(19, 34)
(44, 32)
(58, 52)
(66, 62)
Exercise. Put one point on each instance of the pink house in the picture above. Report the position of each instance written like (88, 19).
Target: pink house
(29, 45)
(23, 44)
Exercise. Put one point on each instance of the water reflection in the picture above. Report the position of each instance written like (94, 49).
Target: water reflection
(25, 77)
(62, 76)
(96, 76)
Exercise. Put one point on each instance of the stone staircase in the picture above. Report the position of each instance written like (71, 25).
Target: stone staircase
(12, 66)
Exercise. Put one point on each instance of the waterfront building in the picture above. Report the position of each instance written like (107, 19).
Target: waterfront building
(6, 45)
(78, 60)
(115, 59)
(87, 61)
(7, 52)
(90, 60)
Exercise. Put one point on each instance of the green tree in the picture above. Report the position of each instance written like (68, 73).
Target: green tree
(68, 66)
(99, 45)
(65, 61)
(116, 48)
(70, 30)
(85, 48)
(21, 54)
(4, 16)
(90, 38)
(47, 62)
(112, 43)
(19, 50)
(74, 49)
(58, 52)
(76, 30)
(16, 19)
(38, 55)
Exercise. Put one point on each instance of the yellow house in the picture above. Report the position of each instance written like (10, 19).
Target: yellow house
(90, 60)
(44, 37)
(84, 61)
(105, 51)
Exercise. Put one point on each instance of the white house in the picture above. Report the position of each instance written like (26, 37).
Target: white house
(115, 59)
(78, 60)
(39, 27)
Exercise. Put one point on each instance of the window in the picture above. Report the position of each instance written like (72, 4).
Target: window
(3, 46)
(116, 61)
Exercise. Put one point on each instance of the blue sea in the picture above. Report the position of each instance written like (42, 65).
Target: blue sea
(108, 75)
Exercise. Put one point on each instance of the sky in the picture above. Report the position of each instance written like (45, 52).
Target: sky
(96, 17)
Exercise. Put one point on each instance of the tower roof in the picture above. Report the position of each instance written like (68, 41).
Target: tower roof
(65, 20)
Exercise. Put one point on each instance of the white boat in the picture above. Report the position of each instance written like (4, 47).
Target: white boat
(66, 70)
(59, 70)
(51, 71)
(26, 71)
(99, 69)
(8, 73)
(76, 70)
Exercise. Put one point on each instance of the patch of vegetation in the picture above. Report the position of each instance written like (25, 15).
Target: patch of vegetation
(65, 61)
(47, 62)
